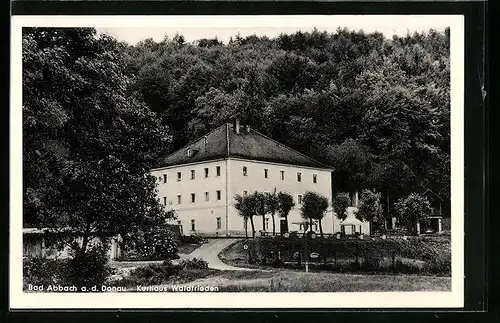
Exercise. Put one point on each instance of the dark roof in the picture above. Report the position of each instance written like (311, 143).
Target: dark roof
(224, 142)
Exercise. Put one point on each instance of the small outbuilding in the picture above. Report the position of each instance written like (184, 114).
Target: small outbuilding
(352, 225)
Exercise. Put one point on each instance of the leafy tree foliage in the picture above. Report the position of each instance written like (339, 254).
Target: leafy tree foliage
(376, 109)
(285, 205)
(314, 207)
(272, 206)
(88, 141)
(246, 207)
(341, 202)
(370, 208)
(411, 209)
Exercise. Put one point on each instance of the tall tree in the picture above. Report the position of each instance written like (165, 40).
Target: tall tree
(88, 142)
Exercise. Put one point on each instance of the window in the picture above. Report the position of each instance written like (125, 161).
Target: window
(299, 199)
(315, 178)
(266, 173)
(207, 196)
(179, 199)
(219, 223)
(245, 193)
(217, 169)
(190, 152)
(193, 226)
(164, 178)
(245, 173)
(266, 224)
(193, 174)
(206, 172)
(315, 226)
(282, 172)
(179, 176)
(164, 200)
(218, 195)
(193, 198)
(299, 177)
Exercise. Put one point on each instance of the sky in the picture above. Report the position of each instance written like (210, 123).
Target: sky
(134, 35)
(194, 28)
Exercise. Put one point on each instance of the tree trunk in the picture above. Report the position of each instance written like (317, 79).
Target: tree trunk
(274, 225)
(320, 229)
(263, 223)
(310, 224)
(85, 241)
(84, 244)
(246, 228)
(253, 227)
(286, 223)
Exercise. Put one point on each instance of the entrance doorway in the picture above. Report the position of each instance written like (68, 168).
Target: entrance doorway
(283, 228)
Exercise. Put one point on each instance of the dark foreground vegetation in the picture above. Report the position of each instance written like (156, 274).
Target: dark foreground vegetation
(422, 256)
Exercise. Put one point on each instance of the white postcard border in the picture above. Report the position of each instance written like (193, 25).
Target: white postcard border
(191, 300)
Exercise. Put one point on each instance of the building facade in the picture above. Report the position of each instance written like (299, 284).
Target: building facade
(200, 181)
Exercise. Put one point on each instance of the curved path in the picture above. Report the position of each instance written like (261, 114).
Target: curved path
(210, 253)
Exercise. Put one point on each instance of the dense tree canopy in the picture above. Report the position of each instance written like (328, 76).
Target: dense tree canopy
(376, 109)
(98, 114)
(88, 141)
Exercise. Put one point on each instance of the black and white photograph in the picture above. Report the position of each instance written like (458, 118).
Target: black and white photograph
(219, 158)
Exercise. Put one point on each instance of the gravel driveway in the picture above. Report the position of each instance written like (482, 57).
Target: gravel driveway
(210, 251)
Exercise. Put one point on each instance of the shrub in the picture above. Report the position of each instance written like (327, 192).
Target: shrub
(192, 239)
(154, 274)
(39, 271)
(89, 268)
(195, 263)
(155, 247)
(373, 255)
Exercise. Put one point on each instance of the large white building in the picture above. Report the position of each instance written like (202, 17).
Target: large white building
(200, 181)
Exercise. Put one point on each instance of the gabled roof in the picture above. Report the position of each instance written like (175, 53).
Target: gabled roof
(429, 191)
(351, 217)
(224, 142)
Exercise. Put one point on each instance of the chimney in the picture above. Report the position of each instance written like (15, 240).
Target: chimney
(237, 125)
(247, 129)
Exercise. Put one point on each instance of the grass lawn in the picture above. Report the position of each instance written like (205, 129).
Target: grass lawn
(295, 281)
(280, 280)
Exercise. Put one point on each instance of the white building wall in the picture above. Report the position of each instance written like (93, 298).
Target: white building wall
(256, 181)
(204, 213)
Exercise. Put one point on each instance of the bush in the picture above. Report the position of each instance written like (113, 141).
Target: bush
(158, 246)
(154, 274)
(373, 255)
(192, 239)
(90, 268)
(86, 269)
(195, 263)
(39, 271)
